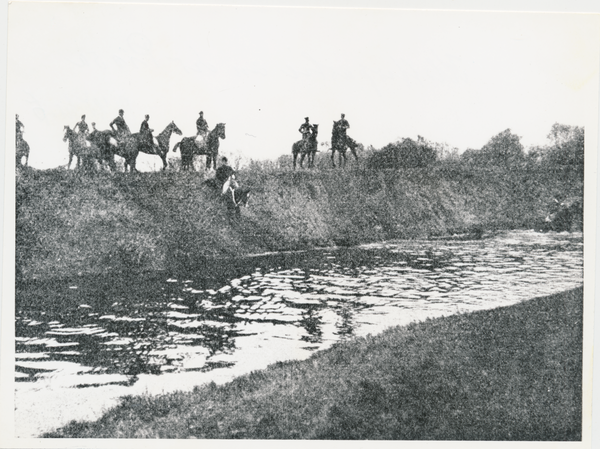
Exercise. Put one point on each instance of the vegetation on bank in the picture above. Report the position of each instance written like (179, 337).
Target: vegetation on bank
(71, 223)
(512, 373)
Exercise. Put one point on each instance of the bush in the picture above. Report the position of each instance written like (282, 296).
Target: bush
(503, 150)
(404, 154)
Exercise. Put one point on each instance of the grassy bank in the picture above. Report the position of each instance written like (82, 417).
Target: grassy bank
(512, 373)
(69, 223)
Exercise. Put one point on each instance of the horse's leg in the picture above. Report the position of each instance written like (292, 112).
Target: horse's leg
(332, 158)
(294, 161)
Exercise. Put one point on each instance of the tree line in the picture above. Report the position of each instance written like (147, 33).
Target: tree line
(566, 150)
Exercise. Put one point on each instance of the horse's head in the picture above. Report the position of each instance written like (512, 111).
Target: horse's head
(174, 128)
(242, 196)
(68, 133)
(221, 130)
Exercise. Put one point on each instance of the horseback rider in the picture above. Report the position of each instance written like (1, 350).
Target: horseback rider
(19, 130)
(82, 126)
(225, 175)
(122, 130)
(231, 192)
(305, 129)
(146, 138)
(342, 125)
(201, 126)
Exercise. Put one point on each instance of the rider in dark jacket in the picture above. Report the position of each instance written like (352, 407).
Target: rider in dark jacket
(201, 126)
(305, 129)
(146, 132)
(81, 127)
(122, 128)
(19, 131)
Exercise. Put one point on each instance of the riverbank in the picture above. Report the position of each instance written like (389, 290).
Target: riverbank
(511, 373)
(70, 224)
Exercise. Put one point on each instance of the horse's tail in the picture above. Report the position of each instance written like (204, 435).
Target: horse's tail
(176, 146)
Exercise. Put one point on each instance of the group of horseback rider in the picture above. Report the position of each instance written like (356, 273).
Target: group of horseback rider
(121, 131)
(307, 130)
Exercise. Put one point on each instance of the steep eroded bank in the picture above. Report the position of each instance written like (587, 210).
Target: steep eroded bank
(70, 224)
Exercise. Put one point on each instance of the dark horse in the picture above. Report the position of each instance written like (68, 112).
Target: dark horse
(210, 148)
(85, 151)
(340, 142)
(306, 148)
(107, 144)
(22, 150)
(130, 147)
(233, 197)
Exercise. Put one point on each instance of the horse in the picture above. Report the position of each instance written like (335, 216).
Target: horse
(306, 148)
(22, 151)
(107, 144)
(163, 140)
(130, 147)
(236, 198)
(189, 148)
(83, 149)
(233, 197)
(340, 142)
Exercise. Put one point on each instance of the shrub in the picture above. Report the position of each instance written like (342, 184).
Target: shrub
(404, 154)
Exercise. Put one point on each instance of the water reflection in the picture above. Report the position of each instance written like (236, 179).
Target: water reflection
(111, 331)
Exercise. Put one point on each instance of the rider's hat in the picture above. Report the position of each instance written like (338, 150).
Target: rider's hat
(121, 111)
(201, 112)
(305, 118)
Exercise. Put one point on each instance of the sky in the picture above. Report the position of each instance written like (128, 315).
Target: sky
(455, 77)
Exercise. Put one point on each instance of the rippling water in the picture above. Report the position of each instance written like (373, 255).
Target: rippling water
(82, 345)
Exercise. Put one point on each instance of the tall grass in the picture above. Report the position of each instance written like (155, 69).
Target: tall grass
(70, 223)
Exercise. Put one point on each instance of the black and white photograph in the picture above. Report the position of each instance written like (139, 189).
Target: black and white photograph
(295, 221)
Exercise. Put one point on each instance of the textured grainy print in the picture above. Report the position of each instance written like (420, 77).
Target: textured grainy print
(297, 223)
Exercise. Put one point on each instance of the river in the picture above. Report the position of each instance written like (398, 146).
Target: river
(82, 344)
